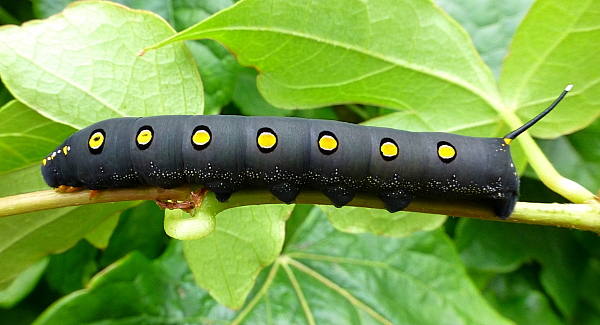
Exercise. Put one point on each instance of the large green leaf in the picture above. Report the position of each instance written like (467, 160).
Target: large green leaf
(561, 257)
(381, 222)
(576, 156)
(402, 54)
(323, 277)
(217, 66)
(72, 270)
(245, 241)
(26, 136)
(22, 285)
(136, 290)
(150, 239)
(82, 66)
(326, 275)
(26, 238)
(590, 310)
(555, 46)
(517, 297)
(490, 23)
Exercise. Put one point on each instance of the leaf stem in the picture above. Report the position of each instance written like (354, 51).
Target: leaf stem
(50, 199)
(179, 225)
(569, 189)
(585, 216)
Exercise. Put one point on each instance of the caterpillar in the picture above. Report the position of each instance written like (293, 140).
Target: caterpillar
(285, 155)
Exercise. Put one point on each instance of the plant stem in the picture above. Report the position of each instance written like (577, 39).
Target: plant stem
(585, 216)
(544, 169)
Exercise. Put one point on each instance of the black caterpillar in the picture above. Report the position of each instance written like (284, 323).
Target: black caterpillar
(285, 155)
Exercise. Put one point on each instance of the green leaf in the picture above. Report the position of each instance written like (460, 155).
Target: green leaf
(217, 66)
(416, 279)
(381, 222)
(72, 269)
(478, 242)
(26, 238)
(5, 96)
(245, 240)
(150, 239)
(26, 136)
(573, 158)
(552, 48)
(86, 66)
(491, 25)
(136, 290)
(383, 44)
(560, 255)
(517, 298)
(250, 101)
(219, 71)
(47, 8)
(23, 284)
(576, 156)
(100, 236)
(589, 293)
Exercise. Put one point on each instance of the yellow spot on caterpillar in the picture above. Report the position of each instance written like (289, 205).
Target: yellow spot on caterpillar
(266, 140)
(507, 141)
(144, 137)
(328, 143)
(44, 162)
(66, 149)
(96, 140)
(389, 149)
(201, 137)
(446, 152)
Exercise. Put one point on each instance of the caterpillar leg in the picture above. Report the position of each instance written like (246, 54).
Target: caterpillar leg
(68, 189)
(503, 208)
(196, 200)
(395, 201)
(223, 197)
(339, 195)
(221, 189)
(285, 192)
(185, 206)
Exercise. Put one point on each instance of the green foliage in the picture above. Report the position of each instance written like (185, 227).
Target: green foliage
(268, 263)
(88, 55)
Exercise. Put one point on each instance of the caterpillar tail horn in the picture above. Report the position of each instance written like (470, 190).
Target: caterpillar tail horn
(512, 135)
